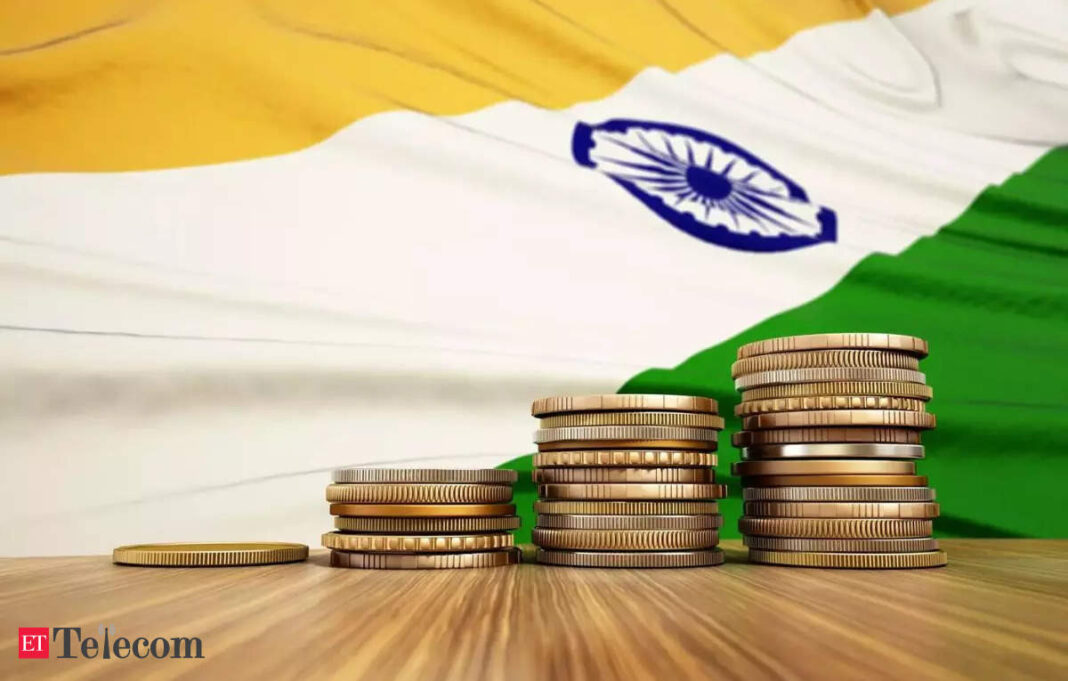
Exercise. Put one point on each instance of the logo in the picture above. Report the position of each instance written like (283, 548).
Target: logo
(704, 185)
(33, 643)
(71, 643)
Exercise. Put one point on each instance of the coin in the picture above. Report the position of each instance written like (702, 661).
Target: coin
(842, 545)
(631, 522)
(485, 476)
(815, 402)
(573, 403)
(625, 458)
(625, 540)
(881, 561)
(631, 559)
(843, 417)
(826, 374)
(543, 435)
(916, 391)
(824, 467)
(228, 554)
(808, 359)
(624, 492)
(846, 434)
(626, 507)
(835, 481)
(833, 450)
(920, 494)
(835, 528)
(418, 493)
(840, 509)
(424, 561)
(422, 510)
(697, 445)
(427, 525)
(832, 341)
(399, 543)
(634, 418)
(623, 475)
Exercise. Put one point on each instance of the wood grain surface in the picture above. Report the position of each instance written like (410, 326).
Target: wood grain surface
(999, 611)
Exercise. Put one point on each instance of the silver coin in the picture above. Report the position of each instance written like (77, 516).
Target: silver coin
(833, 450)
(625, 433)
(825, 375)
(630, 522)
(871, 494)
(489, 476)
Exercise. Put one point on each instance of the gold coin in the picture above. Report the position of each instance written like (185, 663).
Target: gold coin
(626, 507)
(625, 492)
(817, 402)
(906, 494)
(824, 467)
(915, 391)
(826, 374)
(835, 481)
(399, 543)
(544, 435)
(573, 403)
(427, 525)
(845, 434)
(625, 540)
(483, 476)
(835, 528)
(844, 417)
(876, 561)
(809, 359)
(631, 559)
(833, 450)
(676, 419)
(623, 475)
(422, 510)
(840, 509)
(910, 345)
(221, 554)
(697, 445)
(625, 458)
(842, 545)
(630, 522)
(425, 561)
(418, 493)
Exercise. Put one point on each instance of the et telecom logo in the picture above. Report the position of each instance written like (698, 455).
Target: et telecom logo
(34, 644)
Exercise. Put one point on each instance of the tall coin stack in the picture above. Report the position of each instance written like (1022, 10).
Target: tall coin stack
(831, 434)
(417, 518)
(627, 481)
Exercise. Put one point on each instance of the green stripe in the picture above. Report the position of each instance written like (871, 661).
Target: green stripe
(989, 292)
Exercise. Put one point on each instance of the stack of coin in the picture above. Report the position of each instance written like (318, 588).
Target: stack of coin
(627, 481)
(831, 435)
(421, 518)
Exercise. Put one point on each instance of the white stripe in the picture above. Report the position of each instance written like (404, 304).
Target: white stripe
(405, 288)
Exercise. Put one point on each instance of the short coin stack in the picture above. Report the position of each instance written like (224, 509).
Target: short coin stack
(831, 433)
(417, 518)
(627, 481)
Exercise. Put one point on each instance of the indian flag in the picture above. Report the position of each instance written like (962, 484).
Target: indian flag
(245, 243)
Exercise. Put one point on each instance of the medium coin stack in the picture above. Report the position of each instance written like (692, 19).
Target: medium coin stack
(831, 434)
(627, 481)
(417, 518)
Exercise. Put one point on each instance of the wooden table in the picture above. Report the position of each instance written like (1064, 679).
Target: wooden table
(1000, 611)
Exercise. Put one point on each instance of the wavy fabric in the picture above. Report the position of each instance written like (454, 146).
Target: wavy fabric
(525, 200)
(138, 84)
